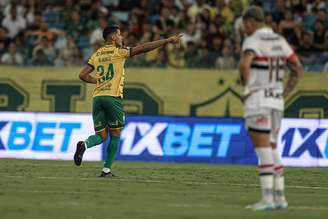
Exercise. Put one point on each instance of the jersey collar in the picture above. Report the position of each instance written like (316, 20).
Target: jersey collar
(264, 30)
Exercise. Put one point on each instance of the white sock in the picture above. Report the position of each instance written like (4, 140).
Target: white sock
(265, 158)
(279, 188)
(106, 170)
(279, 180)
(86, 144)
(276, 157)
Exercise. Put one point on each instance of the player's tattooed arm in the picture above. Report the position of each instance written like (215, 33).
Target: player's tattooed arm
(85, 75)
(296, 71)
(146, 47)
(245, 65)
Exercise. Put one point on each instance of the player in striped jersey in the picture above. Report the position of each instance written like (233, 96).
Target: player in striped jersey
(265, 55)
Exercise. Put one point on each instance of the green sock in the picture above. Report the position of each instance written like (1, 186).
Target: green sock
(93, 140)
(112, 149)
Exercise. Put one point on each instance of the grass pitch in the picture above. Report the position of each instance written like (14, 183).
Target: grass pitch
(58, 189)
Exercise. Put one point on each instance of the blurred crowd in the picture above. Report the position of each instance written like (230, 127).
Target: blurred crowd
(66, 32)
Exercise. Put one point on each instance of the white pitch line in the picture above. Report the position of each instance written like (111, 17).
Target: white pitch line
(308, 207)
(136, 180)
(185, 205)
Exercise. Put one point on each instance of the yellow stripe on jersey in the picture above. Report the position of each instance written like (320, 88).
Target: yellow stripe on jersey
(108, 62)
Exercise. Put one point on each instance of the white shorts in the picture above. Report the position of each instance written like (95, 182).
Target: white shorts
(268, 121)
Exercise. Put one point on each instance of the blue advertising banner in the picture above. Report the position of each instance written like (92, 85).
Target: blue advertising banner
(301, 142)
(185, 139)
(44, 136)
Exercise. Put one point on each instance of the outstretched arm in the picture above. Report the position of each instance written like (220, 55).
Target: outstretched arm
(296, 71)
(85, 75)
(146, 47)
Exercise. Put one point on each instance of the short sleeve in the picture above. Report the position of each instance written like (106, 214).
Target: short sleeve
(288, 51)
(250, 44)
(124, 52)
(91, 62)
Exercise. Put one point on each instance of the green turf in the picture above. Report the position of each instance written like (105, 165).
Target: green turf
(58, 189)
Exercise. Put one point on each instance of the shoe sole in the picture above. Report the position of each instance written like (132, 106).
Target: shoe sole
(271, 208)
(79, 153)
(107, 176)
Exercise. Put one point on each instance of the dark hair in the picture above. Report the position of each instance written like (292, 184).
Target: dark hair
(323, 10)
(305, 33)
(44, 38)
(254, 12)
(110, 30)
(321, 22)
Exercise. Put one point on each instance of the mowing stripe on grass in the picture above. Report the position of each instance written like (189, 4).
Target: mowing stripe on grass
(136, 180)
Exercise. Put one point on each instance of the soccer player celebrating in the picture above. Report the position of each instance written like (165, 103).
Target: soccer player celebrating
(264, 57)
(108, 62)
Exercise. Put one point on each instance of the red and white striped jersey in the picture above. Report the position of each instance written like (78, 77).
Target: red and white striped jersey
(268, 67)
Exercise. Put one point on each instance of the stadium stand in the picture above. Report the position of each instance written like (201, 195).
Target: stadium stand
(65, 32)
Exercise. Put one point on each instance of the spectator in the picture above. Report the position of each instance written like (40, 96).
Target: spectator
(216, 45)
(322, 16)
(74, 26)
(206, 57)
(192, 34)
(226, 60)
(12, 57)
(182, 20)
(278, 13)
(4, 3)
(164, 21)
(175, 56)
(21, 44)
(14, 4)
(183, 4)
(155, 58)
(4, 40)
(271, 23)
(239, 34)
(110, 3)
(191, 55)
(224, 10)
(37, 21)
(45, 31)
(306, 49)
(174, 16)
(96, 11)
(317, 5)
(238, 6)
(29, 11)
(141, 11)
(47, 49)
(326, 41)
(195, 9)
(13, 23)
(96, 35)
(87, 52)
(69, 55)
(319, 35)
(134, 26)
(298, 7)
(40, 58)
(289, 28)
(69, 9)
(205, 17)
(52, 16)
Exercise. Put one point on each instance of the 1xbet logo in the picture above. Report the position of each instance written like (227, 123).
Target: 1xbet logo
(2, 124)
(39, 136)
(298, 141)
